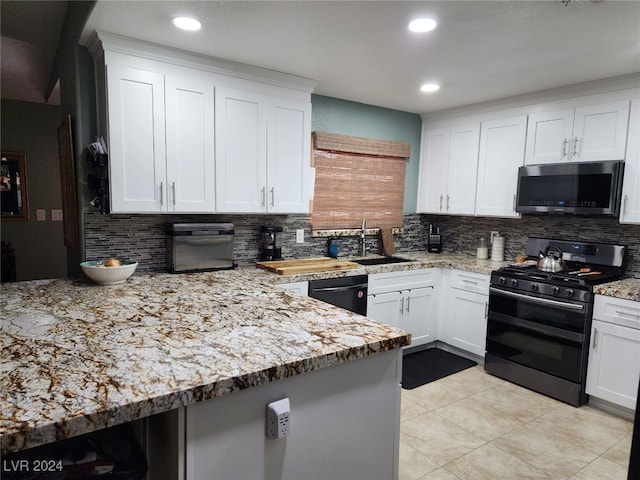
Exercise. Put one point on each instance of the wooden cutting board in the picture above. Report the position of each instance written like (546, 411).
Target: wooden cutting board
(307, 265)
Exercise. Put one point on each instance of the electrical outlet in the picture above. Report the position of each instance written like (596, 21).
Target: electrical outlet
(41, 215)
(300, 235)
(278, 414)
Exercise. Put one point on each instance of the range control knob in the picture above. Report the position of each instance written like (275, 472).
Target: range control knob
(570, 292)
(535, 287)
(556, 290)
(514, 282)
(502, 280)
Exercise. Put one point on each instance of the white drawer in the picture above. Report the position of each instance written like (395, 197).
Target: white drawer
(405, 280)
(617, 310)
(469, 281)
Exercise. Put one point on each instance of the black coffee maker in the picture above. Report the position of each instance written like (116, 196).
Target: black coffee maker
(271, 243)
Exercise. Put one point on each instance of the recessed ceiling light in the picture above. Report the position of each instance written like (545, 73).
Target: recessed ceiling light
(429, 87)
(421, 25)
(187, 23)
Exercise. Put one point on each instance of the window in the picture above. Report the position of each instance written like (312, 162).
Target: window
(357, 178)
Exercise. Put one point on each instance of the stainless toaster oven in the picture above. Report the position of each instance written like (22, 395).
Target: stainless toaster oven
(199, 247)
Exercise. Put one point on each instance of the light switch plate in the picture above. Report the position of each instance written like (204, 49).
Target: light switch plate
(41, 215)
(300, 235)
(56, 215)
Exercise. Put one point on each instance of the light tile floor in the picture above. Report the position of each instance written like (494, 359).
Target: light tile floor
(474, 426)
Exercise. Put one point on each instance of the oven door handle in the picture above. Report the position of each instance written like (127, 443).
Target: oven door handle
(340, 289)
(539, 301)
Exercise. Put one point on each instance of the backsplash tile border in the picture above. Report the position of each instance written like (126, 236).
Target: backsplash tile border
(142, 237)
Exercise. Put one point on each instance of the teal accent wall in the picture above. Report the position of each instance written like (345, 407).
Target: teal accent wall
(350, 118)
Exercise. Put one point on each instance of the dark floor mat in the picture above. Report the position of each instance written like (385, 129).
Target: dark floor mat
(425, 366)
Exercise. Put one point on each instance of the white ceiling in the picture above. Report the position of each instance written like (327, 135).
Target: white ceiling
(362, 50)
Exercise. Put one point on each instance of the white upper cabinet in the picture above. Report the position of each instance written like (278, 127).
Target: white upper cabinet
(630, 207)
(548, 137)
(175, 120)
(241, 151)
(262, 153)
(586, 133)
(448, 169)
(189, 103)
(288, 156)
(137, 168)
(434, 163)
(161, 137)
(502, 144)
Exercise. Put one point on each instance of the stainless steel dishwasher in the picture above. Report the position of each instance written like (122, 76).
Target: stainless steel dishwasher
(349, 293)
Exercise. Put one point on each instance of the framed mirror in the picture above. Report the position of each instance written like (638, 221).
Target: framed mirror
(14, 203)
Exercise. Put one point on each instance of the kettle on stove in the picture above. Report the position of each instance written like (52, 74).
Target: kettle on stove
(549, 263)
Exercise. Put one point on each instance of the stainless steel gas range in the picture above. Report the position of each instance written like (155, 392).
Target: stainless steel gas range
(539, 322)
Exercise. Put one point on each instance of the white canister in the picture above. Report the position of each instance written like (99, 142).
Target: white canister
(497, 249)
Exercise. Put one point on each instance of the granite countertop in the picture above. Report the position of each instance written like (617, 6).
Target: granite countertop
(420, 260)
(628, 288)
(78, 357)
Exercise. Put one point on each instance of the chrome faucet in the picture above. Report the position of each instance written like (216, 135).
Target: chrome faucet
(363, 243)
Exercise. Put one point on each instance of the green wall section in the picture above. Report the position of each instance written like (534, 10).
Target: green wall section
(350, 118)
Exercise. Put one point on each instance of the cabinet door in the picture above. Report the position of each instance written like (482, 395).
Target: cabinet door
(288, 156)
(600, 132)
(137, 168)
(418, 317)
(614, 363)
(466, 321)
(241, 151)
(501, 153)
(549, 137)
(463, 169)
(386, 308)
(434, 161)
(190, 143)
(630, 208)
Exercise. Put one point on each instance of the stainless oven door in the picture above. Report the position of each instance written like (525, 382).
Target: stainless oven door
(548, 335)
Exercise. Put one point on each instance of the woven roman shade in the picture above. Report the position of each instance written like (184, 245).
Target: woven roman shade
(357, 178)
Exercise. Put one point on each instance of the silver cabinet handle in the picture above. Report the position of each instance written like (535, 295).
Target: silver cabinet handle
(402, 305)
(624, 205)
(441, 196)
(264, 196)
(173, 188)
(273, 197)
(595, 338)
(514, 203)
(448, 197)
(575, 147)
(408, 303)
(565, 145)
(161, 194)
(486, 310)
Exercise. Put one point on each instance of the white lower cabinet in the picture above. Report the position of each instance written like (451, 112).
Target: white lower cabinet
(405, 300)
(464, 311)
(614, 356)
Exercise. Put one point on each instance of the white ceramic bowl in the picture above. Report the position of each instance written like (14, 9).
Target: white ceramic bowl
(97, 272)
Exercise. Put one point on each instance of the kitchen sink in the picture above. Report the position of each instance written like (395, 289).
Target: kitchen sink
(382, 260)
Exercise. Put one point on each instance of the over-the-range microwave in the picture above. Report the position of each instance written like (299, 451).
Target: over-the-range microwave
(580, 188)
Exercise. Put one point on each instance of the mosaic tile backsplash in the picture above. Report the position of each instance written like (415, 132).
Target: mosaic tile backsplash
(142, 237)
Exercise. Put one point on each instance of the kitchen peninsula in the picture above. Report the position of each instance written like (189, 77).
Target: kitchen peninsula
(78, 357)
